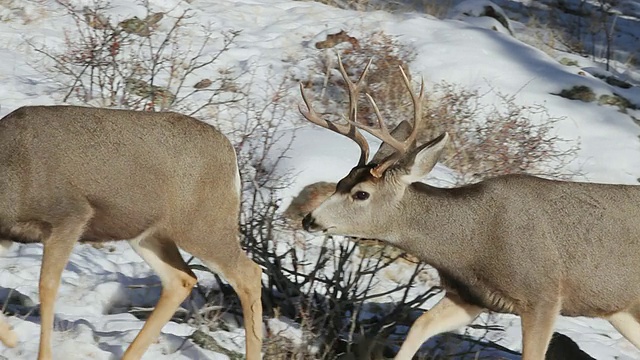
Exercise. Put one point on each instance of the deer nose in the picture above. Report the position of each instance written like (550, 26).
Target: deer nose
(308, 222)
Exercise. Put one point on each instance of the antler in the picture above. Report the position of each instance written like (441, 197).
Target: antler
(382, 132)
(350, 129)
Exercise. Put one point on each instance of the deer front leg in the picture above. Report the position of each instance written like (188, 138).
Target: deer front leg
(448, 314)
(537, 329)
(55, 255)
(627, 322)
(245, 278)
(7, 336)
(177, 280)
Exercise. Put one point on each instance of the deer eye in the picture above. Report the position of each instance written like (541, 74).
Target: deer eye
(360, 195)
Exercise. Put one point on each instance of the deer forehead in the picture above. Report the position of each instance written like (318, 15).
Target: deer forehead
(357, 177)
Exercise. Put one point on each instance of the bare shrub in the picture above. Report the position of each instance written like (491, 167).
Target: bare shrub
(134, 64)
(325, 289)
(383, 82)
(330, 293)
(501, 138)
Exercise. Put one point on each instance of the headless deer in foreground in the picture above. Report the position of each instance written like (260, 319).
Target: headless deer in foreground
(162, 180)
(514, 244)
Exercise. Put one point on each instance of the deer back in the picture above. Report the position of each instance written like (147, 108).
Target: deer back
(133, 168)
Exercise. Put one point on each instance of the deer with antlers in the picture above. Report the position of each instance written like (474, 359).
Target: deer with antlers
(514, 244)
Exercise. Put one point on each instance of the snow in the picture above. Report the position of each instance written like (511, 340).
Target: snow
(276, 44)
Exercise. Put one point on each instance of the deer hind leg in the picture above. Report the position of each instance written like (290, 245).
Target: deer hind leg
(7, 336)
(627, 323)
(57, 248)
(177, 281)
(448, 314)
(4, 246)
(245, 277)
(537, 329)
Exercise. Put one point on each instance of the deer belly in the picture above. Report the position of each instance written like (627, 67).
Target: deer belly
(599, 300)
(480, 294)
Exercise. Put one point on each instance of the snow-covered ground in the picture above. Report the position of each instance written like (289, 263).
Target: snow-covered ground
(277, 42)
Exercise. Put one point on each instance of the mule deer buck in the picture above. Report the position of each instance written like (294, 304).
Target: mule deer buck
(162, 180)
(515, 244)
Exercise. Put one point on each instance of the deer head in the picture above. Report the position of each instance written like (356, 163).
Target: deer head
(368, 199)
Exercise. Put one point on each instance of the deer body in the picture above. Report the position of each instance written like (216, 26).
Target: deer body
(515, 244)
(576, 242)
(161, 180)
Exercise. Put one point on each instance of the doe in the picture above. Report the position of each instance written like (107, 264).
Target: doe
(162, 180)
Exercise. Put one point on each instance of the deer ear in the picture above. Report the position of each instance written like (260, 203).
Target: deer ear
(421, 160)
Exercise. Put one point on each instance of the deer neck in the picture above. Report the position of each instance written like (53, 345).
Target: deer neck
(439, 226)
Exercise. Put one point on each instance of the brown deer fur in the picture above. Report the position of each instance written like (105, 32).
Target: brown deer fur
(162, 180)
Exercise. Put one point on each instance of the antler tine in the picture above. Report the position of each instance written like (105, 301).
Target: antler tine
(347, 130)
(382, 132)
(354, 90)
(417, 107)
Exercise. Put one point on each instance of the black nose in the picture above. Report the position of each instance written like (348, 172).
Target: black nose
(307, 222)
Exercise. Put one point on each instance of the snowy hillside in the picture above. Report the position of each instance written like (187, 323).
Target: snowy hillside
(276, 49)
